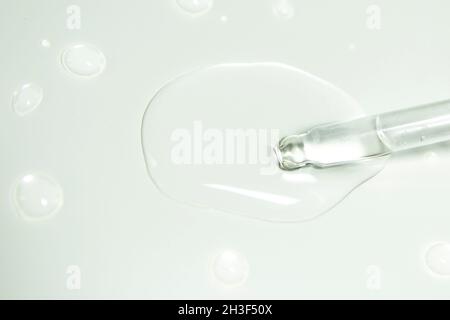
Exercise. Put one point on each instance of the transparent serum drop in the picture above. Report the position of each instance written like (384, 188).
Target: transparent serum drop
(37, 196)
(83, 60)
(208, 139)
(27, 98)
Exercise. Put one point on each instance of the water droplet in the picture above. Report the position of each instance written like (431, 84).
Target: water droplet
(221, 162)
(84, 60)
(37, 196)
(46, 43)
(437, 259)
(431, 158)
(195, 6)
(27, 98)
(224, 19)
(231, 268)
(283, 9)
(352, 47)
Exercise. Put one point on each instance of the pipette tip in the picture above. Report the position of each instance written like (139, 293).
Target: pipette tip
(290, 152)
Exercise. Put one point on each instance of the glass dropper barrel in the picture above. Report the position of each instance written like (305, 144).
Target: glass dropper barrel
(367, 137)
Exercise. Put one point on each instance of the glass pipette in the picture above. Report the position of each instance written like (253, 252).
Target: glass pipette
(365, 138)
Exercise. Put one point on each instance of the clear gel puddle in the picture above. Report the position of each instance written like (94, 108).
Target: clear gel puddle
(208, 135)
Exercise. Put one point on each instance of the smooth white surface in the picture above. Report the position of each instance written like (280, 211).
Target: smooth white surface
(127, 239)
